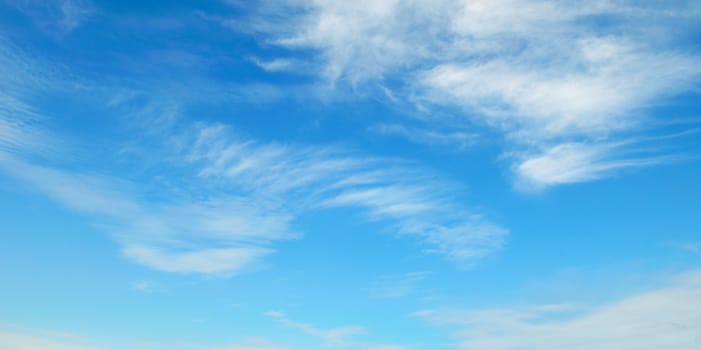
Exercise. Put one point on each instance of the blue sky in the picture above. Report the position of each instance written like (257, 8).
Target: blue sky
(373, 175)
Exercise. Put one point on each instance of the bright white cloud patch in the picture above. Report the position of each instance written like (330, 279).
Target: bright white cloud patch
(542, 72)
(665, 318)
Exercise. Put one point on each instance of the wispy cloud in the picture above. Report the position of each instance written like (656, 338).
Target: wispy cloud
(663, 318)
(454, 140)
(690, 247)
(22, 339)
(74, 13)
(330, 337)
(25, 129)
(211, 237)
(335, 338)
(281, 65)
(261, 188)
(578, 162)
(145, 286)
(414, 201)
(235, 196)
(250, 344)
(20, 123)
(57, 17)
(205, 261)
(397, 286)
(546, 75)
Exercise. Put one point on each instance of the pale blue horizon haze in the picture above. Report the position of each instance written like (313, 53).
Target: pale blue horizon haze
(372, 175)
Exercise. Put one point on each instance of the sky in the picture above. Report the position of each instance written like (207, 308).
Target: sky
(365, 175)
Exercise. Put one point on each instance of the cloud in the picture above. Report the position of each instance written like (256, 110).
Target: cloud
(204, 261)
(74, 13)
(252, 194)
(281, 65)
(544, 74)
(335, 338)
(306, 179)
(250, 344)
(31, 340)
(331, 337)
(668, 317)
(219, 236)
(397, 286)
(144, 286)
(577, 162)
(19, 338)
(690, 247)
(57, 16)
(21, 125)
(222, 201)
(454, 140)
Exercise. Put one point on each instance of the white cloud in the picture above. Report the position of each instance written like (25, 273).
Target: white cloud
(543, 73)
(306, 179)
(668, 317)
(57, 17)
(205, 261)
(454, 140)
(280, 65)
(252, 193)
(691, 247)
(594, 92)
(74, 13)
(144, 286)
(397, 286)
(238, 196)
(334, 338)
(235, 197)
(20, 338)
(16, 132)
(464, 242)
(20, 123)
(24, 340)
(331, 337)
(219, 236)
(250, 344)
(576, 162)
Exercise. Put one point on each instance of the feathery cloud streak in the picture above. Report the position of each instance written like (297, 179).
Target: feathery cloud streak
(236, 196)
